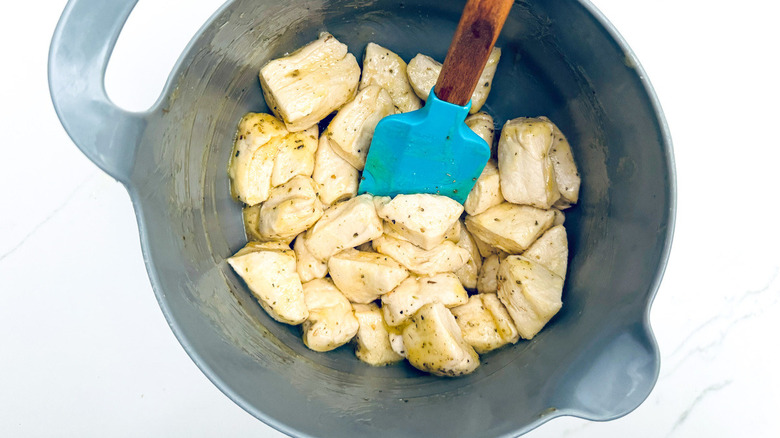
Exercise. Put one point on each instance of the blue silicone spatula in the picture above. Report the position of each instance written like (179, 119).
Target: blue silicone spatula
(432, 150)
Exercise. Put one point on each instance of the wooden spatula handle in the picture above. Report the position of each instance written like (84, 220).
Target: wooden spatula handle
(470, 49)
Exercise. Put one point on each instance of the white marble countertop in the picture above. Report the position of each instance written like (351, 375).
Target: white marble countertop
(85, 350)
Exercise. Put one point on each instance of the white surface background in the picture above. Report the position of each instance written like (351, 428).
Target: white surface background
(86, 352)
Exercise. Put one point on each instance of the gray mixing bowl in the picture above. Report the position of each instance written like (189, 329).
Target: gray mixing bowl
(597, 359)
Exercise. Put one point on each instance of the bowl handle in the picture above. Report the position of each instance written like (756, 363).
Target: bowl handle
(81, 46)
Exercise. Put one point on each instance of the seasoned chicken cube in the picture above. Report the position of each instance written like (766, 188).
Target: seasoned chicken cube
(384, 68)
(295, 156)
(308, 267)
(363, 276)
(488, 275)
(344, 225)
(509, 227)
(486, 192)
(400, 304)
(269, 272)
(434, 343)
(566, 175)
(504, 323)
(331, 321)
(252, 163)
(422, 219)
(524, 164)
(352, 128)
(480, 95)
(469, 272)
(446, 257)
(266, 155)
(530, 292)
(291, 209)
(373, 341)
(424, 71)
(338, 180)
(310, 83)
(479, 326)
(251, 220)
(482, 124)
(551, 250)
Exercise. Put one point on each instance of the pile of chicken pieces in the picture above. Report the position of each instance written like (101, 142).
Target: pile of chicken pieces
(418, 276)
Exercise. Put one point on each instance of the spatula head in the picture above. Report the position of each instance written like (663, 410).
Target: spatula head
(430, 150)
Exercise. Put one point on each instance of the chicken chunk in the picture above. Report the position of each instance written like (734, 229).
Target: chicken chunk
(482, 124)
(469, 272)
(291, 209)
(524, 164)
(488, 275)
(352, 128)
(402, 302)
(254, 152)
(373, 340)
(424, 71)
(477, 325)
(295, 156)
(384, 68)
(266, 155)
(269, 272)
(480, 328)
(344, 225)
(446, 257)
(530, 292)
(363, 276)
(422, 219)
(567, 177)
(551, 250)
(338, 180)
(331, 321)
(509, 227)
(434, 343)
(304, 87)
(486, 192)
(308, 267)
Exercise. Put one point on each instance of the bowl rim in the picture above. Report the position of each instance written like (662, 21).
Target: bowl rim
(670, 217)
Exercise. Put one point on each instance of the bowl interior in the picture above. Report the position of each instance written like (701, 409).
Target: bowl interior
(596, 358)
